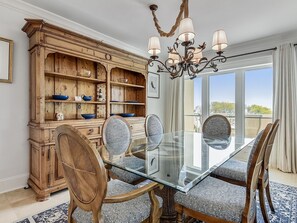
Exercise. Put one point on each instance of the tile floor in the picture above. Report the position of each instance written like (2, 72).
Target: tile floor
(21, 203)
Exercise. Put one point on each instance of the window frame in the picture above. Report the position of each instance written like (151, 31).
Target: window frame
(239, 93)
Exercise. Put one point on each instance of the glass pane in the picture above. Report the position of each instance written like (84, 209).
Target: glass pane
(193, 91)
(258, 100)
(222, 97)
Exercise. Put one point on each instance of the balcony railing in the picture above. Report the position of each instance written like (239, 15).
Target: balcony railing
(253, 123)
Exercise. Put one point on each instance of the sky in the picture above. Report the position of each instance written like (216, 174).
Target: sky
(258, 88)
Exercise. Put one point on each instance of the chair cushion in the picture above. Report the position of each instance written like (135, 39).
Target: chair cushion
(132, 163)
(232, 169)
(216, 198)
(133, 211)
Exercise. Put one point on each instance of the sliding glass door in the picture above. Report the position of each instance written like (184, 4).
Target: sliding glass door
(244, 96)
(222, 97)
(258, 100)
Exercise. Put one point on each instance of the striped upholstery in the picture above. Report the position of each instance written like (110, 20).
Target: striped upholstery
(117, 139)
(235, 169)
(217, 198)
(216, 125)
(117, 136)
(132, 163)
(132, 211)
(153, 125)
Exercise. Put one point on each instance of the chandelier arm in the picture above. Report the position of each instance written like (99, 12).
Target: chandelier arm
(210, 64)
(163, 66)
(182, 12)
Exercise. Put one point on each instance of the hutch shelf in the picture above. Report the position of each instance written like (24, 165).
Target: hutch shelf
(66, 63)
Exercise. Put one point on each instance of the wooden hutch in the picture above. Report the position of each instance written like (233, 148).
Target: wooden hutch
(59, 60)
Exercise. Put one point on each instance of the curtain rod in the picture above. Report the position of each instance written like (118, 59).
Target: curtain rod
(259, 51)
(254, 52)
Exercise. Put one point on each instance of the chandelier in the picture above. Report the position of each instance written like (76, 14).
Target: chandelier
(184, 57)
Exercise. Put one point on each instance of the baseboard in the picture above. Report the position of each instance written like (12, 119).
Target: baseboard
(13, 183)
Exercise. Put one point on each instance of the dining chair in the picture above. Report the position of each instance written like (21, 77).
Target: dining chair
(154, 132)
(116, 137)
(234, 171)
(92, 198)
(214, 200)
(216, 126)
(153, 125)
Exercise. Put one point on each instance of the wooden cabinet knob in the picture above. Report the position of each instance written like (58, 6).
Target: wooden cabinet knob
(90, 131)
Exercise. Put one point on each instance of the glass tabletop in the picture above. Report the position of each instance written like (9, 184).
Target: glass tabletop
(179, 159)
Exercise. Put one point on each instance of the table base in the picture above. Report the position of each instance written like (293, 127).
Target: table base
(169, 213)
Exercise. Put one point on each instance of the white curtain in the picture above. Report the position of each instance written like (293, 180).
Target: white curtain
(175, 105)
(284, 154)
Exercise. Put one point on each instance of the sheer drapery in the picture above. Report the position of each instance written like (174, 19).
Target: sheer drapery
(175, 105)
(284, 154)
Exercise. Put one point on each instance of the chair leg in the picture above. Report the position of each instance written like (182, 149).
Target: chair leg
(179, 218)
(71, 208)
(262, 202)
(269, 197)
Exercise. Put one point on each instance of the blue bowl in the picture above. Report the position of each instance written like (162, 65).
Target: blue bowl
(127, 114)
(88, 116)
(60, 97)
(87, 98)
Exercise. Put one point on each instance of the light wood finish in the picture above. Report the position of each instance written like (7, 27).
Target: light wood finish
(58, 58)
(76, 102)
(86, 177)
(126, 85)
(126, 103)
(263, 184)
(251, 187)
(55, 74)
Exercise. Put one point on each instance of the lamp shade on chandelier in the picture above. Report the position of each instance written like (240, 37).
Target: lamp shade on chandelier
(184, 57)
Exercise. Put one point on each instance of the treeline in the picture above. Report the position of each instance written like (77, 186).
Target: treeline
(229, 108)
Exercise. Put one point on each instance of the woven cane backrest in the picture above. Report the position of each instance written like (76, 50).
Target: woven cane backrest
(83, 167)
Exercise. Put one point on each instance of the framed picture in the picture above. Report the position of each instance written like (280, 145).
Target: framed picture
(6, 49)
(153, 85)
(152, 161)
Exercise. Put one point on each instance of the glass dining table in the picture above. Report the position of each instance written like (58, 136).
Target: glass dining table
(177, 160)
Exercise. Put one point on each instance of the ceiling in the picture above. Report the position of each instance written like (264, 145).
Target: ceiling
(130, 21)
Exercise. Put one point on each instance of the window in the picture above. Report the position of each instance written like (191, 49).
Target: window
(243, 95)
(258, 100)
(222, 96)
(193, 105)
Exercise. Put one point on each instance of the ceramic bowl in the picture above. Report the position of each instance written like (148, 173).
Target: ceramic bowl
(60, 97)
(88, 116)
(127, 114)
(87, 98)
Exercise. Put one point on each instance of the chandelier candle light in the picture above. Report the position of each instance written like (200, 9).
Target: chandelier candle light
(191, 59)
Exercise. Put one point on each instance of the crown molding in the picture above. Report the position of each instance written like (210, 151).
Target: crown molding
(34, 12)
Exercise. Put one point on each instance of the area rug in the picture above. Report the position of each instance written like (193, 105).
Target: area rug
(284, 199)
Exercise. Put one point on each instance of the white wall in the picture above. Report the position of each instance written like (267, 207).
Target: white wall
(157, 105)
(14, 107)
